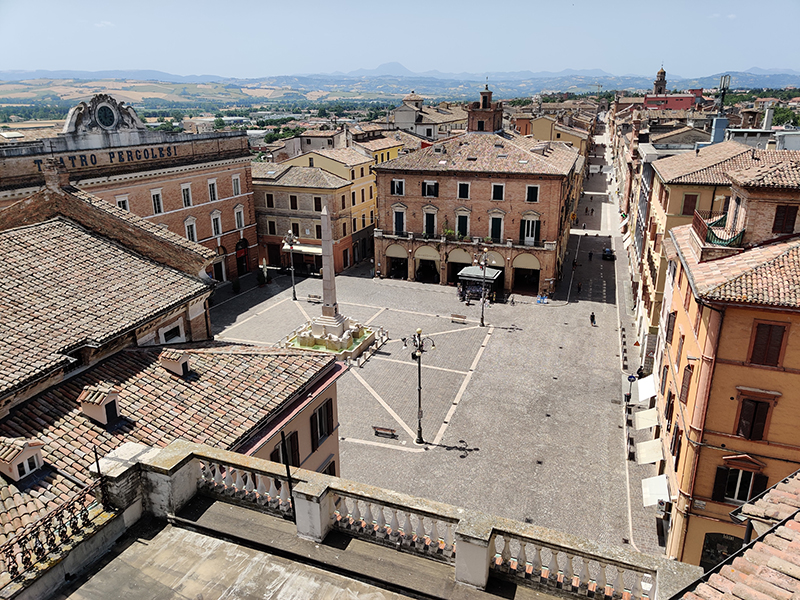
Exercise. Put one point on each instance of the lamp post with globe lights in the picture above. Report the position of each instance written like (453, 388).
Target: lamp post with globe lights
(418, 342)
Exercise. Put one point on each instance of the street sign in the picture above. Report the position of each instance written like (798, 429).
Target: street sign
(419, 414)
(631, 378)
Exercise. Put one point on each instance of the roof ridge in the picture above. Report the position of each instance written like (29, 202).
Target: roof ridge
(795, 245)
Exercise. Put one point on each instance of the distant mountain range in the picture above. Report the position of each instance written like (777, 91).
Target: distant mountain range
(388, 82)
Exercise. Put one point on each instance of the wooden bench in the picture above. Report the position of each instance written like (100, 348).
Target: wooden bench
(458, 319)
(386, 432)
(315, 298)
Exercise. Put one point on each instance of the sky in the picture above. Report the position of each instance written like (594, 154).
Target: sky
(262, 38)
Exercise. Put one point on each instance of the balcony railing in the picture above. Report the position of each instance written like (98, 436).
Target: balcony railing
(456, 238)
(712, 228)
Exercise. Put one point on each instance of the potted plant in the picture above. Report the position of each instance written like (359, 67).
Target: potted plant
(235, 285)
(261, 278)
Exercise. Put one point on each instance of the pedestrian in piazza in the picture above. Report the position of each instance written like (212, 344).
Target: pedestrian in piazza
(590, 255)
(592, 320)
(592, 212)
(580, 285)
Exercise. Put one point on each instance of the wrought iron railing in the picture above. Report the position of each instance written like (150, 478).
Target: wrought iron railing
(712, 227)
(52, 534)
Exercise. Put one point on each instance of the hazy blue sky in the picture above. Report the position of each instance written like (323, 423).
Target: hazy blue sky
(263, 37)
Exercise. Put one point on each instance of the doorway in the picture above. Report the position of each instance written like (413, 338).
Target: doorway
(242, 257)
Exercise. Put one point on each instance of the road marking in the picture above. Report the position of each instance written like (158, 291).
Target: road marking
(244, 341)
(382, 445)
(375, 316)
(302, 310)
(424, 366)
(383, 403)
(253, 316)
(463, 388)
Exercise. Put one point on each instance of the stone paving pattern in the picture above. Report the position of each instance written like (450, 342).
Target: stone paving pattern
(540, 431)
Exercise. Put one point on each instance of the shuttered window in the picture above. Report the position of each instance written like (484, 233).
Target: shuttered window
(687, 379)
(785, 217)
(430, 189)
(767, 344)
(736, 485)
(321, 424)
(752, 419)
(292, 447)
(670, 407)
(689, 204)
(671, 326)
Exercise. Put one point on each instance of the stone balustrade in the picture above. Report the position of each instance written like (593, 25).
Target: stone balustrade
(477, 544)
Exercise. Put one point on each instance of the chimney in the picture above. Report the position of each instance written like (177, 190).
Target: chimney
(99, 402)
(174, 361)
(718, 129)
(768, 118)
(55, 174)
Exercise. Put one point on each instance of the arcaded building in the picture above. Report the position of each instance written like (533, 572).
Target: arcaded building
(195, 185)
(441, 205)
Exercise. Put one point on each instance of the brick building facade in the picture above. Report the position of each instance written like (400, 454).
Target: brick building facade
(197, 186)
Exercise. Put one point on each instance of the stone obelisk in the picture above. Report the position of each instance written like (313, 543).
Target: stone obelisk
(330, 321)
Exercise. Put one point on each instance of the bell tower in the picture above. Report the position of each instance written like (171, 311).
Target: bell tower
(485, 115)
(660, 84)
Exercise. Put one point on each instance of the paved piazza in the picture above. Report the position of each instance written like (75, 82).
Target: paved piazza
(523, 418)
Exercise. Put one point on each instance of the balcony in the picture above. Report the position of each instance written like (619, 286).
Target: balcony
(711, 228)
(453, 238)
(341, 526)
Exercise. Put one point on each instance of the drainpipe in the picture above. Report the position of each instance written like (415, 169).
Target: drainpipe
(695, 434)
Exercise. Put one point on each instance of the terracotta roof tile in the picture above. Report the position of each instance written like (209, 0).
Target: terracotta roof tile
(310, 177)
(62, 287)
(347, 156)
(488, 152)
(779, 174)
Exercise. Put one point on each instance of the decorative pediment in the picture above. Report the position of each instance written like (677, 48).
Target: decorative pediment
(531, 214)
(430, 209)
(399, 206)
(743, 461)
(496, 212)
(463, 210)
(102, 113)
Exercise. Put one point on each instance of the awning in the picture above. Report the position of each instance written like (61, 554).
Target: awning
(626, 240)
(624, 222)
(645, 419)
(649, 452)
(303, 249)
(646, 388)
(654, 489)
(476, 273)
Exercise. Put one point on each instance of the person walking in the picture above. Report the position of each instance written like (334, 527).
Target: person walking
(586, 212)
(574, 264)
(592, 212)
(590, 255)
(580, 285)
(592, 320)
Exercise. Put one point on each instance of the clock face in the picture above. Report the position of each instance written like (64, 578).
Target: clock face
(106, 116)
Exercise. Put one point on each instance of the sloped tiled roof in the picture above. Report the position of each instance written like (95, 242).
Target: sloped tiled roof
(437, 115)
(778, 503)
(346, 156)
(11, 447)
(320, 133)
(488, 152)
(229, 393)
(784, 174)
(662, 137)
(770, 569)
(310, 177)
(267, 170)
(96, 394)
(767, 275)
(62, 287)
(379, 144)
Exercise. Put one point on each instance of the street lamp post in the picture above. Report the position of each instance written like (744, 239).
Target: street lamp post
(418, 342)
(291, 240)
(483, 262)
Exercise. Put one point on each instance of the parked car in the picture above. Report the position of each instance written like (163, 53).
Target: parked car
(608, 254)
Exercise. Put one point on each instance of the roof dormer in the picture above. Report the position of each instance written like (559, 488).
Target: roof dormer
(19, 457)
(174, 361)
(99, 403)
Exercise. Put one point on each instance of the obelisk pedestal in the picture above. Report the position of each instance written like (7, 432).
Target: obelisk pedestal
(331, 322)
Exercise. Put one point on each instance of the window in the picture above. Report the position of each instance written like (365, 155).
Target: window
(236, 187)
(190, 232)
(752, 419)
(785, 217)
(362, 195)
(675, 446)
(21, 469)
(687, 298)
(670, 327)
(397, 187)
(158, 207)
(321, 424)
(344, 229)
(481, 126)
(310, 161)
(497, 191)
(296, 229)
(271, 227)
(355, 225)
(186, 193)
(363, 221)
(362, 171)
(685, 383)
(293, 202)
(370, 192)
(428, 132)
(330, 469)
(669, 408)
(689, 204)
(239, 216)
(664, 373)
(31, 463)
(292, 449)
(270, 201)
(381, 156)
(680, 278)
(463, 191)
(353, 199)
(399, 222)
(767, 344)
(430, 189)
(679, 352)
(122, 202)
(317, 204)
(532, 193)
(308, 142)
(318, 231)
(352, 174)
(496, 229)
(371, 217)
(462, 225)
(697, 318)
(216, 225)
(212, 190)
(737, 485)
(344, 202)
